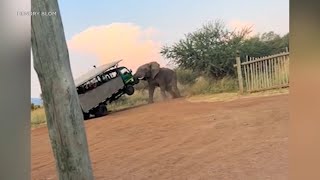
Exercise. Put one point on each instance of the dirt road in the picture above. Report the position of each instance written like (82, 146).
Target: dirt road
(242, 139)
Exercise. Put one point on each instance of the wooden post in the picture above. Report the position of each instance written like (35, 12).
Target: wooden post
(60, 98)
(239, 72)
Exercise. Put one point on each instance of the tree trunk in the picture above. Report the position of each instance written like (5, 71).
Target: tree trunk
(60, 98)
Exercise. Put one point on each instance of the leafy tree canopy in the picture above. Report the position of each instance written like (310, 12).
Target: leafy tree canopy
(211, 50)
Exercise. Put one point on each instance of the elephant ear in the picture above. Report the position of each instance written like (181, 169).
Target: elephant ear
(155, 68)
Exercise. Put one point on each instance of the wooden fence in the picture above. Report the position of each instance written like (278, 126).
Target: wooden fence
(263, 73)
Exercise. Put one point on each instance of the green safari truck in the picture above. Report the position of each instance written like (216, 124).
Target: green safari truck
(102, 85)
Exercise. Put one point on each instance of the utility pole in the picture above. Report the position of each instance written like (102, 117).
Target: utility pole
(60, 98)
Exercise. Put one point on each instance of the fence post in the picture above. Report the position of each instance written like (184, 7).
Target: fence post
(239, 72)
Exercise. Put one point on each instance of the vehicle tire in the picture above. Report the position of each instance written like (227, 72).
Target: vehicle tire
(129, 90)
(101, 110)
(86, 116)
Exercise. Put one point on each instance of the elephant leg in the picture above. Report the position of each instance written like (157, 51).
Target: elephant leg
(177, 92)
(174, 85)
(173, 94)
(175, 89)
(163, 92)
(151, 92)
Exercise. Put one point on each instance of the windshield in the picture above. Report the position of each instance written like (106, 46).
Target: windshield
(124, 71)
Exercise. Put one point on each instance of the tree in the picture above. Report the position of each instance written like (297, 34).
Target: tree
(209, 50)
(61, 102)
(269, 36)
(264, 45)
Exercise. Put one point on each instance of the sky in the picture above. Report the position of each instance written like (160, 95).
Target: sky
(98, 32)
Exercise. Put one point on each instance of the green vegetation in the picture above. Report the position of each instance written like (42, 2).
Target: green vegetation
(186, 76)
(211, 50)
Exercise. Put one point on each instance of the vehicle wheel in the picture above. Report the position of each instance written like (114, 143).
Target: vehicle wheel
(129, 90)
(101, 110)
(86, 116)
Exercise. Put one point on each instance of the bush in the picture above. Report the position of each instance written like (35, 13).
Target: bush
(210, 50)
(204, 85)
(34, 107)
(185, 76)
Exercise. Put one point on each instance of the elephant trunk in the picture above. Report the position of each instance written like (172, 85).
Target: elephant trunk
(139, 76)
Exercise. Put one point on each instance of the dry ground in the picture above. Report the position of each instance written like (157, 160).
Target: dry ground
(240, 139)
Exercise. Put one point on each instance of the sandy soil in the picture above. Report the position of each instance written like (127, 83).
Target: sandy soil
(241, 139)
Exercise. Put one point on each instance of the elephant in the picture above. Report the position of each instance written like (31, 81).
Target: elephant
(157, 76)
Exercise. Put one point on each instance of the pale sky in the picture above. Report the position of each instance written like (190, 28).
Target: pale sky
(102, 31)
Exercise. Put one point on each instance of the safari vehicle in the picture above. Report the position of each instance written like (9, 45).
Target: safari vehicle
(101, 86)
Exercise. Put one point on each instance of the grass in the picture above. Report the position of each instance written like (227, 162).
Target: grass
(138, 98)
(235, 95)
(209, 86)
(38, 117)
